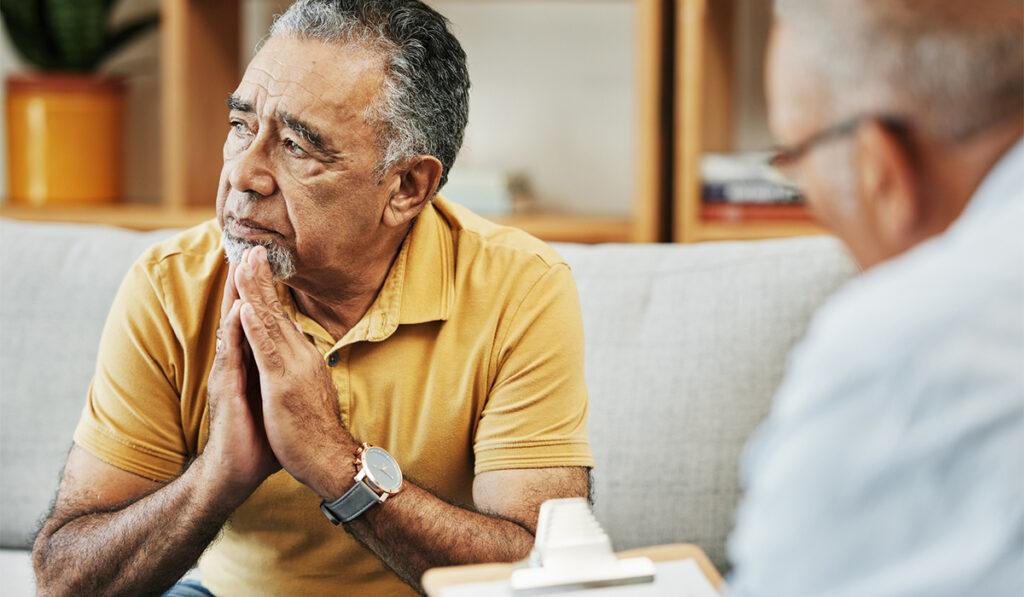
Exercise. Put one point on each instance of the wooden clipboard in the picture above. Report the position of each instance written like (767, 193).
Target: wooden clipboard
(436, 579)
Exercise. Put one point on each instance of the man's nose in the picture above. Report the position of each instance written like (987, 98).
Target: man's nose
(250, 172)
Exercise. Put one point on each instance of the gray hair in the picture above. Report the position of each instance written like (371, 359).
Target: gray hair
(424, 104)
(952, 67)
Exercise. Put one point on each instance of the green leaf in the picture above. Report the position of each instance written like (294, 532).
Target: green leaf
(68, 34)
(25, 25)
(115, 40)
(20, 12)
(78, 28)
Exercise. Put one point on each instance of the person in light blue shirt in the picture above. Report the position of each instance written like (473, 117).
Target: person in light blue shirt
(892, 463)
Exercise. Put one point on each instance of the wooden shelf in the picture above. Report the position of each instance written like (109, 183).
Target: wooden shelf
(704, 120)
(722, 221)
(199, 69)
(739, 213)
(684, 98)
(551, 227)
(200, 59)
(573, 229)
(756, 230)
(139, 217)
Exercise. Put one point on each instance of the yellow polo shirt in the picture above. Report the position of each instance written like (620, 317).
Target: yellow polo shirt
(469, 360)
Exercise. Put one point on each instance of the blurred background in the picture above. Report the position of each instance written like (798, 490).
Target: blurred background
(590, 120)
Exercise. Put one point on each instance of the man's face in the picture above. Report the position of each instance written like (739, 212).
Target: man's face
(796, 111)
(299, 160)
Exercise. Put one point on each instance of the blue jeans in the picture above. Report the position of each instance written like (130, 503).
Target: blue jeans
(188, 588)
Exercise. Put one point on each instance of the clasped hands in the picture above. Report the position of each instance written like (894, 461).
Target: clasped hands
(272, 401)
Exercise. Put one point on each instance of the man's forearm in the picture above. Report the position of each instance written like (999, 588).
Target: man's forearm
(415, 530)
(139, 548)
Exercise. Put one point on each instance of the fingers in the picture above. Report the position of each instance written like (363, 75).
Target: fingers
(256, 288)
(229, 338)
(232, 334)
(272, 336)
(228, 374)
(263, 343)
(254, 280)
(230, 292)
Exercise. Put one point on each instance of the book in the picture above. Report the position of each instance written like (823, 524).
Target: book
(744, 178)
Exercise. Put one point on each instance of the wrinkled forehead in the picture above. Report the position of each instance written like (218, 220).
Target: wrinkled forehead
(298, 75)
(796, 89)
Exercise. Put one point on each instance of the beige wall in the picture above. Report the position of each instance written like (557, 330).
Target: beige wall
(552, 98)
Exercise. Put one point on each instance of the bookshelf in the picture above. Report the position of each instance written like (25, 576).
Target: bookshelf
(200, 58)
(684, 94)
(704, 120)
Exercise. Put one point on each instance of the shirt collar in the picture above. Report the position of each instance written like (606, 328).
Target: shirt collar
(1002, 183)
(430, 269)
(419, 287)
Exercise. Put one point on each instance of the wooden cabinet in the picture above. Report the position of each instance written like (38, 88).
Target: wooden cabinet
(703, 120)
(199, 70)
(199, 59)
(683, 105)
(200, 67)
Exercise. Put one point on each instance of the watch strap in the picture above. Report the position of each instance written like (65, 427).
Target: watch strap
(348, 507)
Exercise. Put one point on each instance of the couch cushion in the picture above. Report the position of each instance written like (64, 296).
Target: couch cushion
(685, 347)
(56, 284)
(16, 570)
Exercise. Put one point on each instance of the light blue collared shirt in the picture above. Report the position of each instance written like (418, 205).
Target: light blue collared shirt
(892, 463)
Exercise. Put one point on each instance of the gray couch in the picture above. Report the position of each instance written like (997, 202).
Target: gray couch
(684, 347)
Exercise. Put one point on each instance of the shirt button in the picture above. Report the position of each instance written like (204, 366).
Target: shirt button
(332, 360)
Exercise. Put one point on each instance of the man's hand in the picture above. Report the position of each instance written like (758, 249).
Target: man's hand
(414, 530)
(300, 402)
(237, 449)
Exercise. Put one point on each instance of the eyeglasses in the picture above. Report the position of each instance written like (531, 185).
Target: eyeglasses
(784, 157)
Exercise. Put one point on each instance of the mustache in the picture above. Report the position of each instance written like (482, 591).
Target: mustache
(247, 208)
(245, 202)
(229, 219)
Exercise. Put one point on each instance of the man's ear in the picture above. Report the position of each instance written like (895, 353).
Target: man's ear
(886, 183)
(417, 183)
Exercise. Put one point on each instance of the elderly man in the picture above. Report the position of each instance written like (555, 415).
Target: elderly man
(232, 402)
(893, 461)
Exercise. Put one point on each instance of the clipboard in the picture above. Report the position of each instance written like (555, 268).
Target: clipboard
(437, 580)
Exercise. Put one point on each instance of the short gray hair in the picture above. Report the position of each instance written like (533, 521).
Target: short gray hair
(953, 67)
(424, 104)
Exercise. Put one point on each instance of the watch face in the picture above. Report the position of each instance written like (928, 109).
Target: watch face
(382, 470)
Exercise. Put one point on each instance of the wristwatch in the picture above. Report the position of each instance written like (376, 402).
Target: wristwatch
(378, 478)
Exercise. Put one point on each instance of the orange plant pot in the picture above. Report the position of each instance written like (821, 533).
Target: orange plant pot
(63, 139)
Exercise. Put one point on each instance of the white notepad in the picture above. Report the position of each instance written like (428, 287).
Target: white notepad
(679, 578)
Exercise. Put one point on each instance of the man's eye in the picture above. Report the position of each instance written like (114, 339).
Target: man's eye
(293, 147)
(238, 125)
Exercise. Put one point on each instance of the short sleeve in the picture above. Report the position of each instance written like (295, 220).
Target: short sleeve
(535, 414)
(132, 417)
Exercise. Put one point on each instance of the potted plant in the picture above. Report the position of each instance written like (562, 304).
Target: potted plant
(64, 119)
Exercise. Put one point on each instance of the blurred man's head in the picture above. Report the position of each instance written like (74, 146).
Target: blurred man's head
(894, 110)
